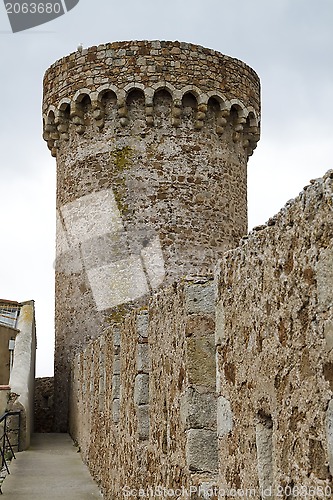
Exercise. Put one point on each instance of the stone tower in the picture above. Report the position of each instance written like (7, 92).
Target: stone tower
(152, 141)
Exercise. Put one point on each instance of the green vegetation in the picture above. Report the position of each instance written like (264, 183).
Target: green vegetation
(122, 160)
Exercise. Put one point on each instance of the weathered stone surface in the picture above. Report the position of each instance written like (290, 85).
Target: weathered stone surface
(116, 386)
(275, 363)
(116, 365)
(21, 380)
(116, 338)
(264, 444)
(224, 417)
(152, 141)
(205, 67)
(329, 434)
(328, 334)
(143, 362)
(324, 277)
(201, 450)
(44, 409)
(138, 437)
(143, 422)
(220, 327)
(115, 410)
(274, 380)
(198, 410)
(141, 389)
(201, 361)
(142, 324)
(200, 299)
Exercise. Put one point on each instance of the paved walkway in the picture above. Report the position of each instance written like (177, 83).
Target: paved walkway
(50, 469)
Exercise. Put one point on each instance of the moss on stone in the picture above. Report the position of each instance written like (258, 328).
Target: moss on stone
(122, 157)
(117, 314)
(122, 160)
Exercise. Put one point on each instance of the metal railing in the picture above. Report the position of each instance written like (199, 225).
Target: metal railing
(9, 439)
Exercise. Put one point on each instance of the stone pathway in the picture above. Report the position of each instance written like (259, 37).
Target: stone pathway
(50, 469)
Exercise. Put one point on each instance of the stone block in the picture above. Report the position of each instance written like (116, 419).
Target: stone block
(201, 361)
(219, 379)
(201, 450)
(324, 276)
(142, 413)
(141, 389)
(68, 259)
(200, 325)
(103, 249)
(116, 365)
(200, 298)
(152, 256)
(115, 410)
(116, 337)
(143, 363)
(142, 323)
(198, 410)
(115, 386)
(329, 434)
(101, 402)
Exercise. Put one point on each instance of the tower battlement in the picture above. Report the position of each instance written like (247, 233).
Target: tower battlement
(109, 77)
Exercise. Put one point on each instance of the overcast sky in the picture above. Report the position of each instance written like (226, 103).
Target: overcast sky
(287, 42)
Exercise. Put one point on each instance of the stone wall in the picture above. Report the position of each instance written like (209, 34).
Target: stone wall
(274, 337)
(152, 406)
(44, 405)
(143, 405)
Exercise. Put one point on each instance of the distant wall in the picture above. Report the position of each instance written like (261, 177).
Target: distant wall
(274, 338)
(23, 372)
(44, 406)
(143, 406)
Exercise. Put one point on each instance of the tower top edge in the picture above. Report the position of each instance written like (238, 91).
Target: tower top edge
(154, 45)
(146, 63)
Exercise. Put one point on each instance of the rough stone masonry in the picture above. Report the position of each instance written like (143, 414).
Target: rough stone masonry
(149, 405)
(175, 376)
(151, 141)
(274, 338)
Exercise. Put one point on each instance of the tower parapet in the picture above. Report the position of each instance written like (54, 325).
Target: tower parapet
(152, 141)
(117, 69)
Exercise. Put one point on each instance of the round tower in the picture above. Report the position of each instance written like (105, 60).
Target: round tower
(152, 141)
